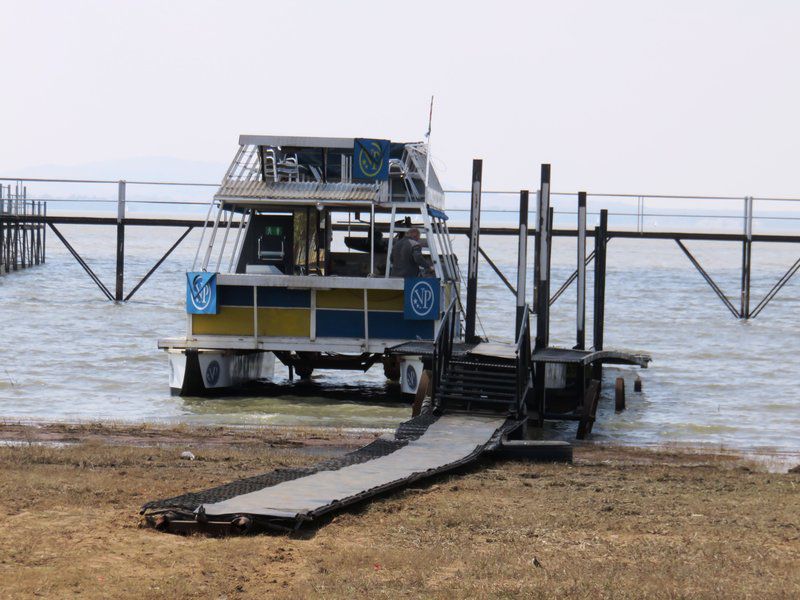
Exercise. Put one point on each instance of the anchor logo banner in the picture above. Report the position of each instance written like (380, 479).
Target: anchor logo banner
(371, 159)
(421, 298)
(201, 293)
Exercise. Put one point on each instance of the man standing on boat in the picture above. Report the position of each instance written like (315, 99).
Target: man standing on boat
(407, 258)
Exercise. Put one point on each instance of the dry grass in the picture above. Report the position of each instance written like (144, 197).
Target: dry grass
(620, 523)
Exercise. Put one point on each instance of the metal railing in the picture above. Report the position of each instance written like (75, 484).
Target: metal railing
(22, 234)
(524, 362)
(640, 216)
(640, 212)
(443, 347)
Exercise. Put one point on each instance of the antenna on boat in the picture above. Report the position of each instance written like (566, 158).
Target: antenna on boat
(428, 152)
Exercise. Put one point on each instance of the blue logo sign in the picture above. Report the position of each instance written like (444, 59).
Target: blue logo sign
(201, 293)
(411, 377)
(212, 373)
(371, 159)
(421, 298)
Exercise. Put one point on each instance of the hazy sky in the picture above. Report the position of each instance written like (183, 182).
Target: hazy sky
(647, 97)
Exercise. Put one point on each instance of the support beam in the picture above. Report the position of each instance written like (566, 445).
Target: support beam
(580, 317)
(775, 289)
(474, 244)
(82, 262)
(728, 304)
(497, 270)
(522, 259)
(158, 264)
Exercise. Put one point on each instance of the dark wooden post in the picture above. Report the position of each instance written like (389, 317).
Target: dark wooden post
(16, 229)
(619, 394)
(24, 227)
(541, 289)
(120, 241)
(580, 319)
(522, 259)
(44, 232)
(542, 284)
(474, 239)
(600, 279)
(2, 234)
(747, 246)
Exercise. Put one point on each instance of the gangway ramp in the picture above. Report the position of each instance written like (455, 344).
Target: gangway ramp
(284, 499)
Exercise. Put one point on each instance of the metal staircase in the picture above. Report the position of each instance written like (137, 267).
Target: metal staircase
(480, 384)
(475, 385)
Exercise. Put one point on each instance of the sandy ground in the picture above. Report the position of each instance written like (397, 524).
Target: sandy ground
(618, 523)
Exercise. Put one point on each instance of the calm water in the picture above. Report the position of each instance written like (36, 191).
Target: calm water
(68, 354)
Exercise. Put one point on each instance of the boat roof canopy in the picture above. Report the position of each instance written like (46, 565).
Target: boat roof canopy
(296, 141)
(299, 141)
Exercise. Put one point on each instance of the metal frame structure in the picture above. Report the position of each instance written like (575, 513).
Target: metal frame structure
(22, 231)
(644, 230)
(266, 177)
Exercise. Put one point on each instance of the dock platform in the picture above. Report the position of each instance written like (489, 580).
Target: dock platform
(505, 351)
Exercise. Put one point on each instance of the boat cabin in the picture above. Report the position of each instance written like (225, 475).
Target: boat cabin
(296, 255)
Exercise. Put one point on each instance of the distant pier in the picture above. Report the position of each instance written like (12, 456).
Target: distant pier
(23, 236)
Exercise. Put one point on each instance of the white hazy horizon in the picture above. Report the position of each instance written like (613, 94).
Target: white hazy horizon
(657, 97)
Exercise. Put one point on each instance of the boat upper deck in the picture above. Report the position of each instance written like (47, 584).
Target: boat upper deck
(325, 171)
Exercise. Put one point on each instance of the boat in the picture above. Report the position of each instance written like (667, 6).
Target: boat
(292, 264)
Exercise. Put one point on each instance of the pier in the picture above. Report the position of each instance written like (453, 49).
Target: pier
(483, 396)
(632, 216)
(23, 236)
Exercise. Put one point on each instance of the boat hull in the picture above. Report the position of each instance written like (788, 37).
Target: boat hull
(201, 372)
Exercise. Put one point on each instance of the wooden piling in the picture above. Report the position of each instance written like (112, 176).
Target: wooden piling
(542, 288)
(637, 384)
(619, 394)
(522, 259)
(580, 318)
(120, 242)
(474, 240)
(600, 239)
(747, 250)
(542, 284)
(600, 279)
(2, 233)
(21, 224)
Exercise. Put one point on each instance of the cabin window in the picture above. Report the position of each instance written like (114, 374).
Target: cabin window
(310, 248)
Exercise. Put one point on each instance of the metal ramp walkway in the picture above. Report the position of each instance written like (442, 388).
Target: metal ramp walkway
(478, 400)
(284, 499)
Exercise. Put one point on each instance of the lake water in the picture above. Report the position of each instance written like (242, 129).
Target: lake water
(68, 354)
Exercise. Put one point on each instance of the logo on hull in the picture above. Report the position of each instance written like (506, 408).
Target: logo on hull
(212, 373)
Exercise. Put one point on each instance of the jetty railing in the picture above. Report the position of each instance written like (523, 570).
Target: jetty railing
(744, 220)
(23, 237)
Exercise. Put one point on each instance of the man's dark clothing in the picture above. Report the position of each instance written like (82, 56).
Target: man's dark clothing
(407, 258)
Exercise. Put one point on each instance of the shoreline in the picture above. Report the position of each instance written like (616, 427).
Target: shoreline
(618, 522)
(341, 439)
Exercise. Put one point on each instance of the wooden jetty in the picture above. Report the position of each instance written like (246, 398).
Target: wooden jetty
(22, 229)
(740, 305)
